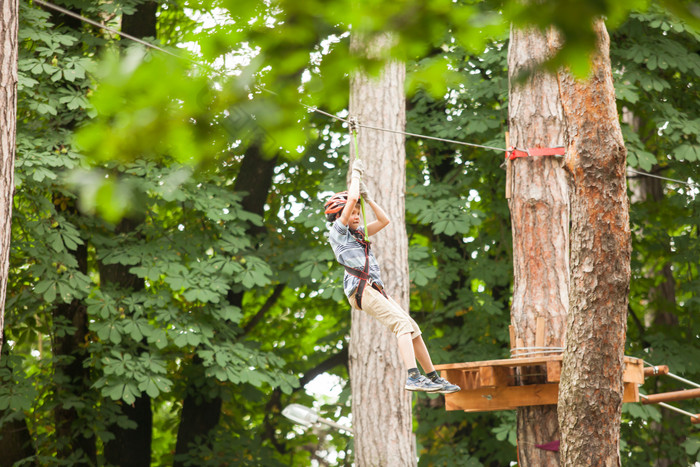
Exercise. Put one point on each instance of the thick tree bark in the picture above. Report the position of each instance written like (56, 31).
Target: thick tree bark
(381, 408)
(590, 394)
(539, 208)
(9, 23)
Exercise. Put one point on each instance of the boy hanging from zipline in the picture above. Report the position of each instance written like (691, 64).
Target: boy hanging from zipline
(363, 283)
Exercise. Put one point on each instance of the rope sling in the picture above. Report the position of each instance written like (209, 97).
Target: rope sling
(362, 275)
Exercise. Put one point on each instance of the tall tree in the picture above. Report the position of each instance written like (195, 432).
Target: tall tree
(590, 394)
(131, 445)
(201, 408)
(380, 406)
(539, 208)
(9, 25)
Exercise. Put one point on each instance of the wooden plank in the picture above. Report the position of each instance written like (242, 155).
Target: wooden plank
(509, 172)
(539, 332)
(457, 377)
(472, 378)
(511, 331)
(490, 376)
(553, 371)
(513, 362)
(512, 397)
(519, 344)
(467, 380)
(630, 393)
(502, 398)
(634, 372)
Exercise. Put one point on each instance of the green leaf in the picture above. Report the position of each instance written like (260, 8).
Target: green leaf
(159, 338)
(692, 447)
(181, 339)
(114, 392)
(687, 152)
(50, 294)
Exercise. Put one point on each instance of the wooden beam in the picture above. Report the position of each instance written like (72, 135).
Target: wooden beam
(539, 332)
(490, 376)
(630, 392)
(672, 396)
(502, 398)
(511, 332)
(553, 371)
(633, 372)
(457, 377)
(513, 362)
(656, 370)
(509, 173)
(512, 397)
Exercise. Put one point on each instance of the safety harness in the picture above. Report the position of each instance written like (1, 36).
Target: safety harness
(362, 275)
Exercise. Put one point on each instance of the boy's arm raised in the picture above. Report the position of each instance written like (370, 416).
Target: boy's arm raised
(382, 219)
(353, 192)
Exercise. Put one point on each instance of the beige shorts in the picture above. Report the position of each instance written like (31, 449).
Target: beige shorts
(387, 312)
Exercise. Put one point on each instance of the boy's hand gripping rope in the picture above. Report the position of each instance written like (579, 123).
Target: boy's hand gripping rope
(353, 124)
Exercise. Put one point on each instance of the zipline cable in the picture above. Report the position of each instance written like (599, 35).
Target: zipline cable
(112, 30)
(406, 133)
(662, 178)
(311, 108)
(352, 126)
(671, 407)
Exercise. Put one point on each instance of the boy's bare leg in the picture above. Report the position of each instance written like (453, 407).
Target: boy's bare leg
(406, 350)
(421, 353)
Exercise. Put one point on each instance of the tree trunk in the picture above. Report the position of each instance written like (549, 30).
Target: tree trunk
(539, 208)
(16, 442)
(9, 23)
(130, 446)
(142, 23)
(71, 376)
(590, 394)
(381, 408)
(201, 413)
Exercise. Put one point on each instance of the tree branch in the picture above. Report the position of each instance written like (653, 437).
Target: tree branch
(269, 303)
(274, 405)
(341, 358)
(640, 326)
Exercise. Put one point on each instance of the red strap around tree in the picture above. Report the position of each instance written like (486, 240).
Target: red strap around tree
(513, 153)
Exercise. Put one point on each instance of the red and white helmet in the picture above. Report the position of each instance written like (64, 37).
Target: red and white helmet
(335, 205)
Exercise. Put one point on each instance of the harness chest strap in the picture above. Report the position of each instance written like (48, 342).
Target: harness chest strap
(364, 278)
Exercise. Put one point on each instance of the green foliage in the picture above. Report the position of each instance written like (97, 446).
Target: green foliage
(167, 153)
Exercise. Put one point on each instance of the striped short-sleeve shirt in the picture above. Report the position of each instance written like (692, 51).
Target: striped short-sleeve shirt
(349, 252)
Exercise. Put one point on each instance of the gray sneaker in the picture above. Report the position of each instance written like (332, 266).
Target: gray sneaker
(447, 387)
(421, 383)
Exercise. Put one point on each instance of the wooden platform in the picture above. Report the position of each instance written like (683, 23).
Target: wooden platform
(501, 384)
